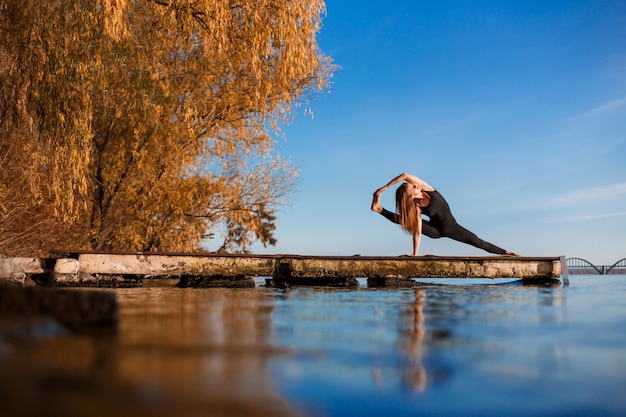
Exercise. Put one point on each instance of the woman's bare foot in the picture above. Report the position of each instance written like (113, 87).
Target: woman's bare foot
(376, 203)
(509, 253)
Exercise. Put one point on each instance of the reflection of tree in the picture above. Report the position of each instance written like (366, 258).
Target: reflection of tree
(182, 352)
(209, 346)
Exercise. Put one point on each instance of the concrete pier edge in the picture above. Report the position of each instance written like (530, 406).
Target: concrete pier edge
(133, 269)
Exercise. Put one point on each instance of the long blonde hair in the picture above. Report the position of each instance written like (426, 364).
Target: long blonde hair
(408, 212)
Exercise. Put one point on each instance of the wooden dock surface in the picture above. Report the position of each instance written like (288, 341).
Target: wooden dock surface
(113, 269)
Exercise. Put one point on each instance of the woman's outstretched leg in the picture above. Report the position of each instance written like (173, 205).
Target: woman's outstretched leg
(461, 234)
(392, 217)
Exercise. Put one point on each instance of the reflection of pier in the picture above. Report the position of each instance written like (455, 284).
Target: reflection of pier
(583, 266)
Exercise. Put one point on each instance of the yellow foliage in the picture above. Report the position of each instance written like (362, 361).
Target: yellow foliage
(149, 119)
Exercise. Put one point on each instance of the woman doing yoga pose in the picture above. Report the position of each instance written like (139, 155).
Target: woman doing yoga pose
(415, 197)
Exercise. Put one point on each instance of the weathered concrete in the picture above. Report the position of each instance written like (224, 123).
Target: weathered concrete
(176, 265)
(84, 279)
(422, 267)
(385, 271)
(19, 270)
(127, 269)
(66, 266)
(66, 272)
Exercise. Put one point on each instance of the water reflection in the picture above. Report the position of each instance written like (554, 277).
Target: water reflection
(177, 352)
(420, 345)
(208, 345)
(412, 344)
(433, 350)
(506, 331)
(371, 341)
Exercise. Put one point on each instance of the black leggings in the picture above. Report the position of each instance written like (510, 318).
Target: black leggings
(443, 224)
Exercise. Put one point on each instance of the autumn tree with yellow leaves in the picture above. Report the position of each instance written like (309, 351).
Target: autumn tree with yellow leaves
(147, 125)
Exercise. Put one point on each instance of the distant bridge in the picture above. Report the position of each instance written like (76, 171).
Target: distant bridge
(583, 266)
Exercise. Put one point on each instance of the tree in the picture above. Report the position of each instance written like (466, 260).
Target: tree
(26, 226)
(152, 119)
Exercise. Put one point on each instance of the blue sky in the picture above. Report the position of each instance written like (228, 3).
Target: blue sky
(514, 110)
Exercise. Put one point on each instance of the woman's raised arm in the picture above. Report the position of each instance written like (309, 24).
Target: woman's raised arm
(408, 178)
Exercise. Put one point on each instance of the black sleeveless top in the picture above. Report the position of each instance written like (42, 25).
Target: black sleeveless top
(438, 209)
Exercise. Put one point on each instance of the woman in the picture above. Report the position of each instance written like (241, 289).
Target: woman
(415, 197)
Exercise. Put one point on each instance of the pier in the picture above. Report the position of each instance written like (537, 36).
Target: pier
(134, 269)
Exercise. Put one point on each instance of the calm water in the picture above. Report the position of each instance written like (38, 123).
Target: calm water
(504, 349)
